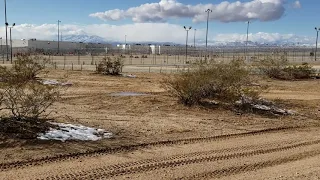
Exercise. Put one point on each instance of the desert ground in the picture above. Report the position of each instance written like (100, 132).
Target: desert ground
(156, 137)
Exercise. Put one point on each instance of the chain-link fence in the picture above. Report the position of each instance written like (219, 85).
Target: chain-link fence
(168, 58)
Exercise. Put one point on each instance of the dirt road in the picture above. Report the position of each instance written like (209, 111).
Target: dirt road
(281, 153)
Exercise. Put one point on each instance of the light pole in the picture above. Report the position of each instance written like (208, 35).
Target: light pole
(187, 29)
(6, 23)
(58, 36)
(315, 55)
(208, 11)
(11, 41)
(194, 39)
(125, 43)
(247, 38)
(1, 50)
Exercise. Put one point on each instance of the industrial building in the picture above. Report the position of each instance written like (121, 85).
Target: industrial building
(34, 45)
(151, 49)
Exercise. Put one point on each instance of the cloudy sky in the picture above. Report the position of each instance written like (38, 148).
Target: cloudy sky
(163, 20)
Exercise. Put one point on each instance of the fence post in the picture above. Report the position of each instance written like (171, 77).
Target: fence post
(78, 58)
(64, 62)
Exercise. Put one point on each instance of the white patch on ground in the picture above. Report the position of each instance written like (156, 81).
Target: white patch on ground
(66, 132)
(264, 105)
(128, 94)
(55, 82)
(129, 75)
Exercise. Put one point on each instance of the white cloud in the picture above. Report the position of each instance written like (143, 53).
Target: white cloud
(161, 32)
(265, 37)
(142, 32)
(262, 10)
(297, 5)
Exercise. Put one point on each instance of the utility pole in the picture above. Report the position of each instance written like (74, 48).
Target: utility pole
(247, 38)
(1, 50)
(6, 23)
(11, 41)
(58, 36)
(187, 29)
(194, 39)
(315, 55)
(125, 43)
(208, 11)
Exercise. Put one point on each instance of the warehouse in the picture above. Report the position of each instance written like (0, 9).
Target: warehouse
(34, 45)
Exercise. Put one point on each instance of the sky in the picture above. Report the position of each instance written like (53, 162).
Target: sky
(163, 20)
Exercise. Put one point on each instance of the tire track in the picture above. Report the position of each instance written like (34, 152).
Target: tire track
(175, 161)
(128, 148)
(250, 167)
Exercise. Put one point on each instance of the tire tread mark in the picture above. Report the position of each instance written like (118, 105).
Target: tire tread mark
(112, 171)
(250, 167)
(103, 151)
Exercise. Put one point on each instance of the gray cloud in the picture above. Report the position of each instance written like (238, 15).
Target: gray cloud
(297, 5)
(262, 10)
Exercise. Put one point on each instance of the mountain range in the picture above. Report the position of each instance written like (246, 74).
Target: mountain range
(97, 39)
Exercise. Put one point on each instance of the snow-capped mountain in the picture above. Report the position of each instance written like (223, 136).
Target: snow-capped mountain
(84, 38)
(97, 39)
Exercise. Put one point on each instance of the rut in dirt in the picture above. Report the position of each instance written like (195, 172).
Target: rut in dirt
(105, 151)
(184, 160)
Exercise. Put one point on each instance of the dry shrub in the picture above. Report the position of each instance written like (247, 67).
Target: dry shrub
(304, 71)
(22, 96)
(110, 66)
(279, 68)
(28, 101)
(24, 69)
(218, 81)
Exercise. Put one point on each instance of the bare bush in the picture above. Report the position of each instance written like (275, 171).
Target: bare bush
(110, 66)
(29, 101)
(22, 97)
(24, 69)
(279, 68)
(223, 82)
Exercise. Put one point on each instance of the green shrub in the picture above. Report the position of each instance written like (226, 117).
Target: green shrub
(110, 66)
(219, 81)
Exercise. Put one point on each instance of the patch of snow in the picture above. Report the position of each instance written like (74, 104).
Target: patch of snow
(50, 82)
(264, 105)
(55, 82)
(66, 132)
(128, 94)
(129, 75)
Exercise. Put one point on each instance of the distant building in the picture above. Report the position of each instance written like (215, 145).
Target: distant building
(64, 46)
